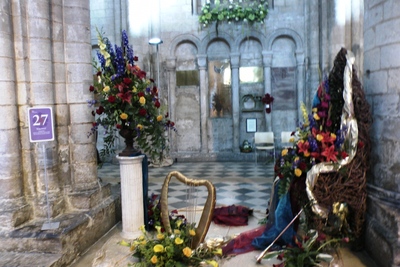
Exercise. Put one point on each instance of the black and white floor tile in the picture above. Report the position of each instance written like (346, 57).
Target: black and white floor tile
(236, 183)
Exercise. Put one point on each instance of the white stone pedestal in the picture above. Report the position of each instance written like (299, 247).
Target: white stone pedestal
(131, 195)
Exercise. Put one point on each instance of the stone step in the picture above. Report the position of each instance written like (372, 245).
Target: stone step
(14, 259)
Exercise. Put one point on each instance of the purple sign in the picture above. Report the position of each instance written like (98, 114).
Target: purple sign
(40, 124)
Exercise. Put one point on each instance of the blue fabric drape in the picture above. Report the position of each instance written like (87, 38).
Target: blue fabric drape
(281, 217)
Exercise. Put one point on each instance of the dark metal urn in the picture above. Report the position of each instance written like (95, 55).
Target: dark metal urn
(129, 135)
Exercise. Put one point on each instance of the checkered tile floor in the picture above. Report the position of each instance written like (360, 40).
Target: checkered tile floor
(238, 183)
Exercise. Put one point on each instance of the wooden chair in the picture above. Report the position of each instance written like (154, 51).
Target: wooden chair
(264, 141)
(206, 217)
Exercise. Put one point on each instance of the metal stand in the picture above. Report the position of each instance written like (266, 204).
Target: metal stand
(261, 256)
(47, 225)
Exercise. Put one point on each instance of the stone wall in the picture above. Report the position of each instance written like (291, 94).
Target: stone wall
(382, 85)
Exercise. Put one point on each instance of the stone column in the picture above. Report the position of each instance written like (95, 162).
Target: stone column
(171, 80)
(267, 61)
(235, 61)
(13, 207)
(41, 93)
(301, 98)
(202, 63)
(131, 195)
(382, 87)
(78, 79)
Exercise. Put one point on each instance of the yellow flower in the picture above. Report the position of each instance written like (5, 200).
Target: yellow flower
(307, 154)
(141, 237)
(158, 248)
(296, 159)
(187, 252)
(139, 126)
(192, 232)
(159, 117)
(284, 152)
(124, 243)
(291, 140)
(213, 263)
(178, 223)
(123, 116)
(177, 232)
(316, 117)
(142, 100)
(178, 241)
(106, 89)
(218, 251)
(160, 236)
(154, 259)
(134, 89)
(142, 228)
(314, 110)
(333, 136)
(158, 228)
(319, 137)
(297, 172)
(102, 46)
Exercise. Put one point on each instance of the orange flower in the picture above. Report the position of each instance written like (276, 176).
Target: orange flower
(187, 252)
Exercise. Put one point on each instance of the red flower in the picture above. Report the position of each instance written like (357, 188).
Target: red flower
(330, 154)
(302, 166)
(135, 58)
(346, 239)
(140, 94)
(91, 88)
(98, 73)
(111, 99)
(100, 110)
(268, 110)
(127, 81)
(343, 154)
(360, 144)
(142, 112)
(321, 237)
(93, 113)
(125, 97)
(328, 139)
(157, 104)
(118, 126)
(303, 147)
(154, 91)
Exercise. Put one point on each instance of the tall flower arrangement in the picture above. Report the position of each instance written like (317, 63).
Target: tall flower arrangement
(316, 140)
(125, 100)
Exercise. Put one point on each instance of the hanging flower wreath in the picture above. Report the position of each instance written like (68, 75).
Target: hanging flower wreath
(267, 100)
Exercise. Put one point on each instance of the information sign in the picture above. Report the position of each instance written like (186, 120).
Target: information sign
(41, 124)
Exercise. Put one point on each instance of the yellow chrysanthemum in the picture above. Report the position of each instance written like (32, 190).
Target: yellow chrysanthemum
(139, 126)
(217, 251)
(160, 236)
(134, 89)
(178, 241)
(142, 100)
(319, 137)
(192, 232)
(159, 117)
(158, 248)
(316, 117)
(284, 152)
(154, 259)
(187, 252)
(213, 263)
(106, 89)
(297, 172)
(177, 232)
(123, 116)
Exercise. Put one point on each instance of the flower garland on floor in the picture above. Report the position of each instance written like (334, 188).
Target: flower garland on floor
(160, 249)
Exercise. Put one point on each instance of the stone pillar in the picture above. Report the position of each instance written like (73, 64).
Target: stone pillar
(78, 79)
(382, 86)
(131, 195)
(13, 207)
(41, 93)
(202, 63)
(171, 80)
(300, 83)
(267, 61)
(235, 60)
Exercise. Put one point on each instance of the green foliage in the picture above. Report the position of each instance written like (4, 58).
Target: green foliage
(251, 12)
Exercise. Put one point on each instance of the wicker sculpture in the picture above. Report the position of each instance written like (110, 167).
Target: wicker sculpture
(348, 184)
